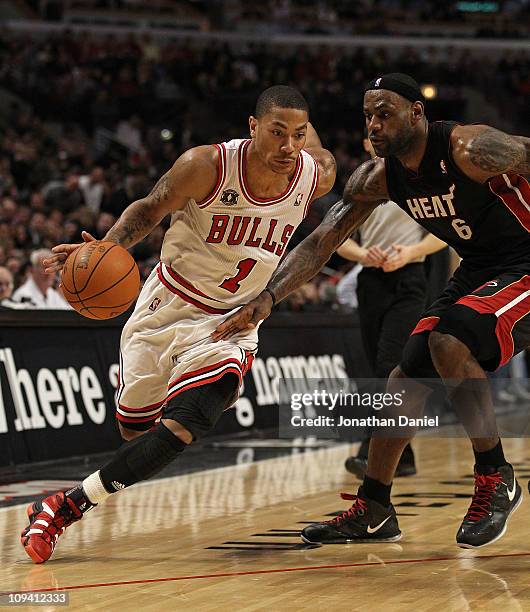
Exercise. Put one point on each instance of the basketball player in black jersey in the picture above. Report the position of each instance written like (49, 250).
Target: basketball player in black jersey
(463, 184)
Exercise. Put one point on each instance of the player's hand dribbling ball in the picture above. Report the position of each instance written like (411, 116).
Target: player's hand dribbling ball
(100, 280)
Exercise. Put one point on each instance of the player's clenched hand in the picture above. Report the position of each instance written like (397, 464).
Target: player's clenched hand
(60, 252)
(401, 256)
(374, 257)
(246, 317)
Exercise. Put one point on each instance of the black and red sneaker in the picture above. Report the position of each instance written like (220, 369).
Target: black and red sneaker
(497, 494)
(365, 521)
(47, 521)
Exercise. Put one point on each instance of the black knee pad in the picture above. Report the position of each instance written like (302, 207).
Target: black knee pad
(141, 458)
(475, 330)
(199, 409)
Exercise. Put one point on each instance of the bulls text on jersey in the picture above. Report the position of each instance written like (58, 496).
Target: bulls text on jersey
(254, 231)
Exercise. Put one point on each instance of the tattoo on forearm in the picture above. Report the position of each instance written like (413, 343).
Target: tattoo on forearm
(138, 219)
(364, 191)
(497, 152)
(133, 225)
(161, 190)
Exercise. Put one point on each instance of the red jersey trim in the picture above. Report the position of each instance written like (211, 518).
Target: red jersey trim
(221, 175)
(514, 191)
(241, 157)
(313, 189)
(186, 284)
(188, 298)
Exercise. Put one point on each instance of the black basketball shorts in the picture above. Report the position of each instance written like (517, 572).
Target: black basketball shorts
(488, 312)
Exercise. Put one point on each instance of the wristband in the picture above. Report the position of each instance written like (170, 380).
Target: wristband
(273, 297)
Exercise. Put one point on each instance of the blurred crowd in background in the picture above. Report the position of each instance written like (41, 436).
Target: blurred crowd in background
(89, 122)
(498, 18)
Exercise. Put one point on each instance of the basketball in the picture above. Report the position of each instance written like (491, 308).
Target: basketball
(100, 280)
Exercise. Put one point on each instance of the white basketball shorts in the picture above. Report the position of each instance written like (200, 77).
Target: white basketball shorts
(166, 348)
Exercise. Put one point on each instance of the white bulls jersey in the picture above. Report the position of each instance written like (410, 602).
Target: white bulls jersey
(220, 253)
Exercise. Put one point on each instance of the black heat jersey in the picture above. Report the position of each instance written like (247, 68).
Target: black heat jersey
(487, 224)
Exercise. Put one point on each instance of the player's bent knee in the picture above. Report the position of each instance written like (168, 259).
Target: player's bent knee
(446, 346)
(179, 430)
(198, 409)
(462, 331)
(128, 434)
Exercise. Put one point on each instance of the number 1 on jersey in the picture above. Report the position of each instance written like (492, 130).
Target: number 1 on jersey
(245, 268)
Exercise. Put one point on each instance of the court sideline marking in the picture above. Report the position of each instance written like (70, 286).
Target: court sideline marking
(270, 571)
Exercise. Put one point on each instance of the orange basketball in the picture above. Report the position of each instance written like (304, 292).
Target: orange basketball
(100, 279)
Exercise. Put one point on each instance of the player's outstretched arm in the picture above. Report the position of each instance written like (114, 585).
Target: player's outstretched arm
(193, 175)
(482, 152)
(365, 190)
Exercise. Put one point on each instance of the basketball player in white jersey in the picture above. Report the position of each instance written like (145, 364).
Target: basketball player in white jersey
(234, 207)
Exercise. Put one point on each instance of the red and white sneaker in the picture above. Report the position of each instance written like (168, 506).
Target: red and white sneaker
(47, 521)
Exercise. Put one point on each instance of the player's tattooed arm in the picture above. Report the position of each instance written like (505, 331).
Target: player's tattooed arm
(140, 217)
(365, 190)
(192, 176)
(482, 152)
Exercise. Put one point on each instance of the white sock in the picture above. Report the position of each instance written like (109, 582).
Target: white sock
(94, 489)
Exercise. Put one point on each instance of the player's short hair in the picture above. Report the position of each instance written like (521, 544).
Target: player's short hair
(280, 96)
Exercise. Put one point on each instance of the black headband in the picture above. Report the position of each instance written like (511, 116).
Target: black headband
(401, 84)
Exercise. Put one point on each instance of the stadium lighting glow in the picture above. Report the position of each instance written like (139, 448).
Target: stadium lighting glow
(429, 91)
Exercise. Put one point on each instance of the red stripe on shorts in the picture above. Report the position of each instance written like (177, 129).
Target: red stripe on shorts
(490, 304)
(125, 419)
(504, 328)
(506, 320)
(206, 381)
(144, 408)
(425, 324)
(207, 368)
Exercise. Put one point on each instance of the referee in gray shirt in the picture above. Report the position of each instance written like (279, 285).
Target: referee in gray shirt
(391, 293)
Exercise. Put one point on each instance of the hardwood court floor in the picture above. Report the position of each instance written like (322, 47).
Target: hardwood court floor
(227, 540)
